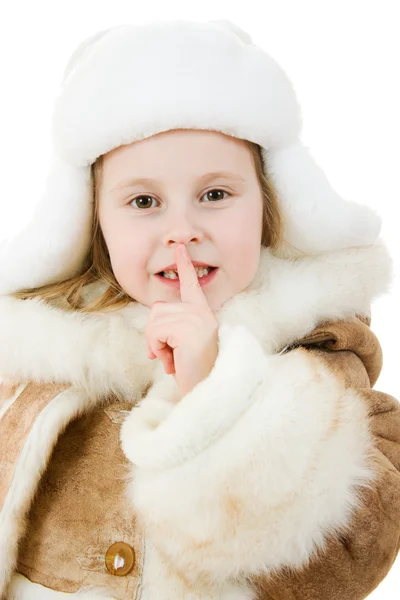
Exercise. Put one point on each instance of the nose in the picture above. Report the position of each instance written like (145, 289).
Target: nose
(181, 230)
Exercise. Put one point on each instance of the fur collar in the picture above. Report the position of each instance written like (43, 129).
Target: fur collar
(106, 352)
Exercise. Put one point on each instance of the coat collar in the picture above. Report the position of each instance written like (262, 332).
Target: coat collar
(285, 301)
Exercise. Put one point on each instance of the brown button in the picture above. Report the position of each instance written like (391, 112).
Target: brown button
(120, 559)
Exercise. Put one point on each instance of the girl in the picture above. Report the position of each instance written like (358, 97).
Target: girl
(187, 361)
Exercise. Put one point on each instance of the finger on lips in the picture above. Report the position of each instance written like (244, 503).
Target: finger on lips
(190, 291)
(190, 288)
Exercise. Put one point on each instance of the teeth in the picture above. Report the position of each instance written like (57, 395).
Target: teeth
(170, 274)
(201, 272)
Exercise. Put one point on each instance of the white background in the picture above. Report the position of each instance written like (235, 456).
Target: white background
(342, 56)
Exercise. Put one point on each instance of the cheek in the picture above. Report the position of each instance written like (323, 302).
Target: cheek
(126, 245)
(242, 244)
(243, 235)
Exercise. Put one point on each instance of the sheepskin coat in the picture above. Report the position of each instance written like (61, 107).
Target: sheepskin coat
(275, 478)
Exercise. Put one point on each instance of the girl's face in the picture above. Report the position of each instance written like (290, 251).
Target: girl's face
(165, 190)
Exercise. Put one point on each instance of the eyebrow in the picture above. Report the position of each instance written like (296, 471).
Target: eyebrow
(202, 179)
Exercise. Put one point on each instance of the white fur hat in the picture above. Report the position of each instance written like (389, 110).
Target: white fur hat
(130, 82)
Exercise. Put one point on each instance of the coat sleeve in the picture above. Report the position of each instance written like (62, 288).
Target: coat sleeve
(258, 465)
(355, 562)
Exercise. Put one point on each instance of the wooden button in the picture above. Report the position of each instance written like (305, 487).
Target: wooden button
(120, 559)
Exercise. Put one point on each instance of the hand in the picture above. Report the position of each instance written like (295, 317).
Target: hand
(184, 335)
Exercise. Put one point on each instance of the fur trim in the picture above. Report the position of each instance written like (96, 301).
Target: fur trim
(160, 435)
(30, 467)
(203, 484)
(162, 581)
(106, 353)
(45, 343)
(11, 393)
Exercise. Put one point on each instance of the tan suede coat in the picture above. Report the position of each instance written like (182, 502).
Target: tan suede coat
(80, 508)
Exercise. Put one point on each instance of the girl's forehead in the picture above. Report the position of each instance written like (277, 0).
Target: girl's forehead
(187, 154)
(178, 138)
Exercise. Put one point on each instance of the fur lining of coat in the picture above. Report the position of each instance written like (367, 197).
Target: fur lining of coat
(253, 470)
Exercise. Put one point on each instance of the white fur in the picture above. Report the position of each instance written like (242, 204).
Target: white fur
(107, 352)
(46, 343)
(58, 232)
(263, 488)
(159, 434)
(214, 56)
(160, 581)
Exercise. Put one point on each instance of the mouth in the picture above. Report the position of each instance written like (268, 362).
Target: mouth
(204, 276)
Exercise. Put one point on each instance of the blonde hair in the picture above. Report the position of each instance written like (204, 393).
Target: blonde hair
(97, 265)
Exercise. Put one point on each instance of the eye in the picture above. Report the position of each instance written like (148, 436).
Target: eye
(148, 199)
(218, 191)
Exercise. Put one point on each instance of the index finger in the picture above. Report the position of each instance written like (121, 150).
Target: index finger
(190, 287)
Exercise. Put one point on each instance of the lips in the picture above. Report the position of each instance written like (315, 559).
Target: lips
(175, 283)
(195, 263)
(210, 270)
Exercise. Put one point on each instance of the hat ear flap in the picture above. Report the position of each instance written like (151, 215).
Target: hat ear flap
(316, 219)
(54, 243)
